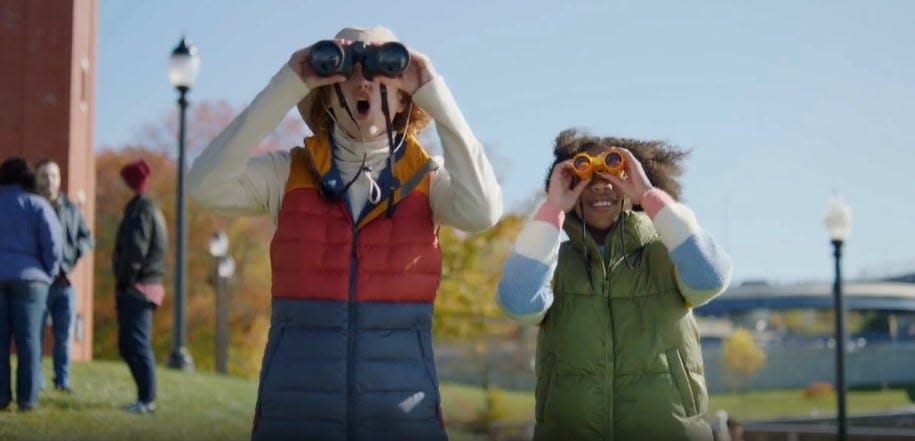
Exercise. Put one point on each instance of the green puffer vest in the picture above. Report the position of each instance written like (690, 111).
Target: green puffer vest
(618, 355)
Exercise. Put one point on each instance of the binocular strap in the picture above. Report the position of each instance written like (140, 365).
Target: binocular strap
(343, 104)
(389, 129)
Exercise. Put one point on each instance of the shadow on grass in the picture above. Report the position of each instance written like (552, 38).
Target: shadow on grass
(73, 403)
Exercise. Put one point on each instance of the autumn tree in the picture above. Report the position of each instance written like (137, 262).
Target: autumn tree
(466, 307)
(742, 358)
(249, 239)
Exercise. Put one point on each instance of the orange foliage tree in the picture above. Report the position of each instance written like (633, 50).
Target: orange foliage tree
(249, 240)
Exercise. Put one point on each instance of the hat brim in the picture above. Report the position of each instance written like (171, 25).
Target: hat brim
(304, 105)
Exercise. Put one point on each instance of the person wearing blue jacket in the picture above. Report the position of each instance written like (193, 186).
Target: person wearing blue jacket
(30, 255)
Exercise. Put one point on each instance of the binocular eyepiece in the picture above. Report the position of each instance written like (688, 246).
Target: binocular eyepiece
(330, 58)
(586, 166)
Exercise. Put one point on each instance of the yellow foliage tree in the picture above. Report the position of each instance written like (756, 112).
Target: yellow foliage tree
(742, 358)
(466, 307)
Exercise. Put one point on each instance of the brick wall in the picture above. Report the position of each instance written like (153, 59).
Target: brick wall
(47, 107)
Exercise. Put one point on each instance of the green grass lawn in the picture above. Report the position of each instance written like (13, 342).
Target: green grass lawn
(197, 406)
(462, 402)
(205, 406)
(791, 403)
(191, 406)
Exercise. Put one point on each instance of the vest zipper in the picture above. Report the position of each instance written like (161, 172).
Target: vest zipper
(351, 336)
(608, 347)
(610, 360)
(609, 356)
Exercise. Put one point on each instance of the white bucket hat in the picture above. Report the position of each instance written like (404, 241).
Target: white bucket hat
(376, 34)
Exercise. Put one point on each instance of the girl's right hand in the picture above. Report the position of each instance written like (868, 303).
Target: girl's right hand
(560, 193)
(299, 63)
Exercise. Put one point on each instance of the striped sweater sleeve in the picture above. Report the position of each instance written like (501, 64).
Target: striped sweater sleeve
(702, 268)
(524, 291)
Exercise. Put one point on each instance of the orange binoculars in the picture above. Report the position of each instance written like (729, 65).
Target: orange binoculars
(586, 165)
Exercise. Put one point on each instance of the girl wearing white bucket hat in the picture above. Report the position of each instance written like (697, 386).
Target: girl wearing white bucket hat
(355, 258)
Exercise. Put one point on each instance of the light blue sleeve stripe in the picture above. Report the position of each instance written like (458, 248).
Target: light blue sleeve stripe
(703, 268)
(524, 290)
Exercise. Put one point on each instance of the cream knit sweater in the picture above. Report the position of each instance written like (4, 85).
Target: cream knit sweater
(464, 192)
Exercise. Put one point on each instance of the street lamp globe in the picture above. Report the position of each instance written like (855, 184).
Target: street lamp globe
(219, 244)
(226, 267)
(183, 65)
(837, 218)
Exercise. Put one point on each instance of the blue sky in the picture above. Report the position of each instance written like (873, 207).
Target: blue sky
(781, 102)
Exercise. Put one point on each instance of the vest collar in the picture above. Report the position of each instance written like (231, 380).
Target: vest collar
(637, 232)
(321, 160)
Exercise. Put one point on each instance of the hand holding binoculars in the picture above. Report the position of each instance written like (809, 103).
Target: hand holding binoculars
(585, 165)
(330, 58)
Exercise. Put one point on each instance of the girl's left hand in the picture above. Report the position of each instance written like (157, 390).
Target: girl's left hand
(418, 73)
(634, 183)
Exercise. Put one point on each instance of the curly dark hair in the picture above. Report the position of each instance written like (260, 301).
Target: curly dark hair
(17, 170)
(660, 160)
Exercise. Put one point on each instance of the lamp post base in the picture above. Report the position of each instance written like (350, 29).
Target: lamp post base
(181, 359)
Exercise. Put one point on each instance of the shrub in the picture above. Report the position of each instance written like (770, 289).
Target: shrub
(818, 391)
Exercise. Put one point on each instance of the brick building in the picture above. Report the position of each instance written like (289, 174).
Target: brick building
(47, 110)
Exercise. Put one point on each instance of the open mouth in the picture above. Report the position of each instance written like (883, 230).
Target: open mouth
(362, 107)
(603, 205)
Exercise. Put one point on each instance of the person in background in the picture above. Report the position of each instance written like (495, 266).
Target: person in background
(720, 429)
(726, 428)
(618, 353)
(30, 254)
(138, 261)
(735, 429)
(77, 241)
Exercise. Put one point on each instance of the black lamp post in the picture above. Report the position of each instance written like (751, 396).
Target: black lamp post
(183, 66)
(223, 271)
(838, 224)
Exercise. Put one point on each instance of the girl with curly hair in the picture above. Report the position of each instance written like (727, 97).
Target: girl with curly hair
(618, 353)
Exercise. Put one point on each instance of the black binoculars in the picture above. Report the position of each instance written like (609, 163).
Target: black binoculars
(330, 58)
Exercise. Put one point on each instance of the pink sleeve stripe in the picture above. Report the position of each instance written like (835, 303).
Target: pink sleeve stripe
(654, 200)
(550, 214)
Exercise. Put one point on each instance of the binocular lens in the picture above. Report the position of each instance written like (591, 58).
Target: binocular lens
(326, 58)
(613, 160)
(581, 163)
(392, 59)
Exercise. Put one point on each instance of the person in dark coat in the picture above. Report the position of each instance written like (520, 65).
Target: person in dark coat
(77, 241)
(30, 253)
(139, 264)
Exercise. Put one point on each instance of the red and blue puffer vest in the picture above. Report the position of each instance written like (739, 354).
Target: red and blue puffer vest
(349, 352)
